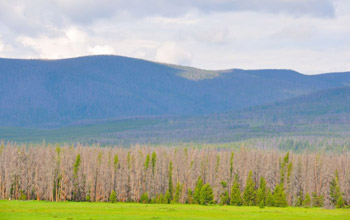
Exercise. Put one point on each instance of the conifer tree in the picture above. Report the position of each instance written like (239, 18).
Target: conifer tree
(249, 191)
(206, 195)
(335, 189)
(262, 204)
(307, 201)
(189, 197)
(57, 174)
(167, 197)
(170, 182)
(236, 198)
(279, 197)
(146, 165)
(160, 199)
(224, 196)
(88, 196)
(116, 161)
(90, 174)
(340, 202)
(283, 167)
(317, 200)
(217, 166)
(197, 190)
(75, 177)
(154, 161)
(231, 164)
(269, 199)
(261, 193)
(113, 197)
(144, 174)
(299, 201)
(178, 190)
(76, 166)
(1, 148)
(22, 195)
(115, 166)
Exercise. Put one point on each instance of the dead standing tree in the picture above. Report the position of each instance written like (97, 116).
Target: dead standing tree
(53, 173)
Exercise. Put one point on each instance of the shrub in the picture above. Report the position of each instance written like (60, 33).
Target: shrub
(144, 198)
(189, 197)
(307, 201)
(340, 202)
(22, 195)
(113, 197)
(262, 204)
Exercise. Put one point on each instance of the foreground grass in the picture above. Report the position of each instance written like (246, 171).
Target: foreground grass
(104, 211)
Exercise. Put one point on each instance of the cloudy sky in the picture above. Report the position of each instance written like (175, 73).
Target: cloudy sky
(310, 36)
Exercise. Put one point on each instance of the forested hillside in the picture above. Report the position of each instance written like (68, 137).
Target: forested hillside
(327, 106)
(174, 175)
(325, 113)
(53, 93)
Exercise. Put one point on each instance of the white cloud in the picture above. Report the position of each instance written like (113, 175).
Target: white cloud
(1, 45)
(317, 8)
(211, 34)
(98, 49)
(170, 52)
(72, 41)
(296, 32)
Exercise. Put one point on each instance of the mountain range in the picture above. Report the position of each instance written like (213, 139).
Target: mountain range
(119, 98)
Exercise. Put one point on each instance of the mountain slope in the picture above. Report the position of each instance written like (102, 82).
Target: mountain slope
(53, 93)
(322, 113)
(327, 106)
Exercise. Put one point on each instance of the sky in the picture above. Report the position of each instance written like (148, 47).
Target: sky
(309, 36)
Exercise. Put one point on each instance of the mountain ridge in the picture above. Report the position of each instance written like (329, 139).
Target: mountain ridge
(54, 93)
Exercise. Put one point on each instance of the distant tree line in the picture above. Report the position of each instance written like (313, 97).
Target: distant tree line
(243, 177)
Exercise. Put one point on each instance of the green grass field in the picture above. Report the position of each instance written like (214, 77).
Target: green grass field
(104, 211)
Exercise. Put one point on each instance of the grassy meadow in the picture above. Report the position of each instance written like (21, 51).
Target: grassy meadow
(83, 210)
